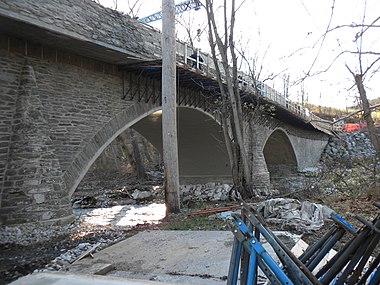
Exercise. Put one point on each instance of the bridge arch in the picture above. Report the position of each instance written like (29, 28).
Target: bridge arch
(201, 149)
(91, 151)
(202, 153)
(279, 154)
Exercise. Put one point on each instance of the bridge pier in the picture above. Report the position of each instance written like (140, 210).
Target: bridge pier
(32, 185)
(259, 171)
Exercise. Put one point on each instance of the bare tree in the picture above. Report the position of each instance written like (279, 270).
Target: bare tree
(368, 62)
(134, 7)
(187, 22)
(361, 75)
(223, 44)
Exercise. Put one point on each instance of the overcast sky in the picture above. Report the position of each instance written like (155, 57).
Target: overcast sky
(286, 36)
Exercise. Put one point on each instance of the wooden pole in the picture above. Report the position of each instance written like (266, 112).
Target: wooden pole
(169, 108)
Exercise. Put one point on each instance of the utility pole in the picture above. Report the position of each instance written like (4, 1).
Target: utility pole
(169, 108)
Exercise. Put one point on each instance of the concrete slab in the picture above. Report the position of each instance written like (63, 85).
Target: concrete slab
(60, 278)
(96, 268)
(181, 257)
(168, 257)
(175, 279)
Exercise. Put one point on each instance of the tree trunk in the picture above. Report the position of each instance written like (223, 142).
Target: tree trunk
(140, 169)
(367, 114)
(122, 141)
(115, 158)
(231, 111)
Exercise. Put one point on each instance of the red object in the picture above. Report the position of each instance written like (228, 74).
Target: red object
(351, 127)
(214, 210)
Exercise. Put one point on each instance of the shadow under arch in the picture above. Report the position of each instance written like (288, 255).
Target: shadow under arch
(202, 154)
(201, 149)
(91, 151)
(279, 154)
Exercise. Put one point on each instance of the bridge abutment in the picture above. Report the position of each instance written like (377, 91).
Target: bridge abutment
(51, 104)
(34, 189)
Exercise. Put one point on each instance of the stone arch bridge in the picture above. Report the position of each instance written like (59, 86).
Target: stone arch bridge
(74, 75)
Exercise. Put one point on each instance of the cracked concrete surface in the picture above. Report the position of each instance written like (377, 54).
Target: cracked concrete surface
(180, 257)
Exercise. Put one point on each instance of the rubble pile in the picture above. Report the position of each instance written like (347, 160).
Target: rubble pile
(25, 234)
(63, 261)
(348, 164)
(129, 195)
(352, 144)
(205, 192)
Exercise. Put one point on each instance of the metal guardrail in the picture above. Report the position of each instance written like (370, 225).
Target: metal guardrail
(204, 63)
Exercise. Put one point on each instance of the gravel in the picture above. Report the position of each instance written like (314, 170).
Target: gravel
(30, 248)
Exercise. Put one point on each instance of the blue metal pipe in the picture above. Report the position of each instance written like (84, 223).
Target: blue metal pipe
(234, 262)
(252, 271)
(270, 262)
(329, 245)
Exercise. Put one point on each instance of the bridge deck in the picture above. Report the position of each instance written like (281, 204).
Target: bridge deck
(204, 64)
(205, 92)
(38, 31)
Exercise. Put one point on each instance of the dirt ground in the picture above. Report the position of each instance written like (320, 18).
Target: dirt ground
(21, 257)
(17, 260)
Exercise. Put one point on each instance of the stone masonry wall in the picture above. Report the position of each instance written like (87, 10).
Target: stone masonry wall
(49, 111)
(9, 82)
(88, 21)
(307, 144)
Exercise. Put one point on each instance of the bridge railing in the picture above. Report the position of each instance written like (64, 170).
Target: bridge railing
(203, 63)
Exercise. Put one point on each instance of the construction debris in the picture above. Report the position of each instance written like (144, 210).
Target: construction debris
(86, 253)
(291, 213)
(347, 266)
